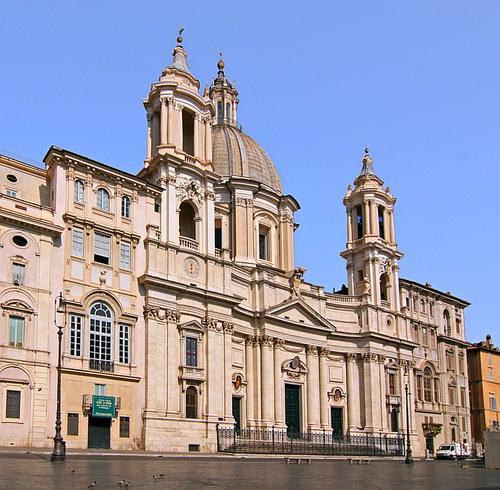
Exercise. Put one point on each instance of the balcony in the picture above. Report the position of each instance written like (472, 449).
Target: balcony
(393, 400)
(104, 366)
(189, 243)
(191, 373)
(385, 303)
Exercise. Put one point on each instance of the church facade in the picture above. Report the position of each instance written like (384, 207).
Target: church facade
(183, 307)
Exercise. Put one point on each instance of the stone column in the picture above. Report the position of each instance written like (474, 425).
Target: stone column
(170, 128)
(215, 378)
(312, 387)
(374, 218)
(279, 418)
(208, 139)
(228, 382)
(391, 224)
(353, 405)
(172, 359)
(349, 224)
(249, 342)
(196, 136)
(323, 387)
(366, 218)
(383, 393)
(163, 121)
(267, 391)
(258, 384)
(156, 133)
(149, 140)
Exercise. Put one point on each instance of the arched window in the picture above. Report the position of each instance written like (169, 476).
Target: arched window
(187, 225)
(359, 221)
(384, 287)
(125, 207)
(103, 199)
(427, 384)
(191, 403)
(447, 322)
(100, 338)
(381, 222)
(228, 112)
(79, 190)
(220, 115)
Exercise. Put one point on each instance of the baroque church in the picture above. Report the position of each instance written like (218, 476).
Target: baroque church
(182, 309)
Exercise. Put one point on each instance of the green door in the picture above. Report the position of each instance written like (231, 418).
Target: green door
(237, 413)
(337, 422)
(292, 409)
(99, 432)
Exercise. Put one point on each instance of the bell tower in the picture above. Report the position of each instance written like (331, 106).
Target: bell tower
(371, 250)
(179, 118)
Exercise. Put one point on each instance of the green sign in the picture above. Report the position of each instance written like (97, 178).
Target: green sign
(103, 406)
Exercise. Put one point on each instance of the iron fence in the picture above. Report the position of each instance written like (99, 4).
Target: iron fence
(279, 441)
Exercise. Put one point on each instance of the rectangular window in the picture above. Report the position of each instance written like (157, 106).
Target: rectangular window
(188, 132)
(449, 361)
(102, 247)
(16, 331)
(464, 425)
(11, 193)
(13, 404)
(72, 429)
(125, 255)
(191, 352)
(218, 234)
(493, 401)
(392, 383)
(75, 335)
(124, 344)
(18, 273)
(451, 395)
(124, 426)
(462, 397)
(157, 206)
(263, 243)
(490, 373)
(77, 245)
(359, 222)
(436, 390)
(461, 364)
(419, 387)
(99, 389)
(425, 337)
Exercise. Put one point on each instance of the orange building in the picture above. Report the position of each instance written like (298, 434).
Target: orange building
(483, 360)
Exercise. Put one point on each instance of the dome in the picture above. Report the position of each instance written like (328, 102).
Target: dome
(236, 154)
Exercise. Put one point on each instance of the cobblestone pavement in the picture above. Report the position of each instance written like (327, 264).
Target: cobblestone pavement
(78, 472)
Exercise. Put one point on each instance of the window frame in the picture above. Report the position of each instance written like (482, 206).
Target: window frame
(103, 199)
(69, 428)
(125, 256)
(126, 205)
(124, 331)
(191, 355)
(18, 277)
(124, 426)
(427, 384)
(75, 335)
(75, 245)
(192, 408)
(79, 191)
(264, 243)
(101, 237)
(7, 417)
(15, 343)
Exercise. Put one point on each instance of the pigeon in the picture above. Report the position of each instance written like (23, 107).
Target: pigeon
(123, 483)
(93, 484)
(159, 477)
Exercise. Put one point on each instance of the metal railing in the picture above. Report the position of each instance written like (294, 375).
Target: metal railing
(99, 365)
(280, 441)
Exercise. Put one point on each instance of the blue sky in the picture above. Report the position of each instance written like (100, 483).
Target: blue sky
(418, 82)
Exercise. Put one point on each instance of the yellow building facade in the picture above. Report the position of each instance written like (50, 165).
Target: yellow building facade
(484, 378)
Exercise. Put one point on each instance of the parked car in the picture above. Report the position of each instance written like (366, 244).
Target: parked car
(454, 450)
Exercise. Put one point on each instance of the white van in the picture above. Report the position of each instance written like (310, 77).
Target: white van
(453, 450)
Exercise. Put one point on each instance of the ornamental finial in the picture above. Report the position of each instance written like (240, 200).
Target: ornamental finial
(220, 64)
(179, 37)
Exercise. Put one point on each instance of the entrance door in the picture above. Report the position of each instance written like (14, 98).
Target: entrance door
(429, 444)
(394, 420)
(292, 409)
(99, 432)
(337, 422)
(237, 413)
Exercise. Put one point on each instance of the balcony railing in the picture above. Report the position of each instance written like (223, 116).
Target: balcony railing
(192, 373)
(385, 303)
(393, 399)
(99, 365)
(188, 243)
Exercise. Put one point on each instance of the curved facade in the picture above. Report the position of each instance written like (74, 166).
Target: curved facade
(183, 307)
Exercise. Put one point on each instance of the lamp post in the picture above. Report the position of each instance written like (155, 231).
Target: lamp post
(59, 452)
(409, 458)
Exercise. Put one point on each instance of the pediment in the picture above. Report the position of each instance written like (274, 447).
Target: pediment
(299, 312)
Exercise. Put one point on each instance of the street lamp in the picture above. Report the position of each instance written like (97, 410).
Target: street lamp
(59, 452)
(409, 458)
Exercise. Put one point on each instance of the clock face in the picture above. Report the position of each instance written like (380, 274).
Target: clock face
(191, 267)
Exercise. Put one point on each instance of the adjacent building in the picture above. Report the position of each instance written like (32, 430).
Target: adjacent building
(183, 307)
(483, 361)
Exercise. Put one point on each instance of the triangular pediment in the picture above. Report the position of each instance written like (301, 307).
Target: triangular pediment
(297, 311)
